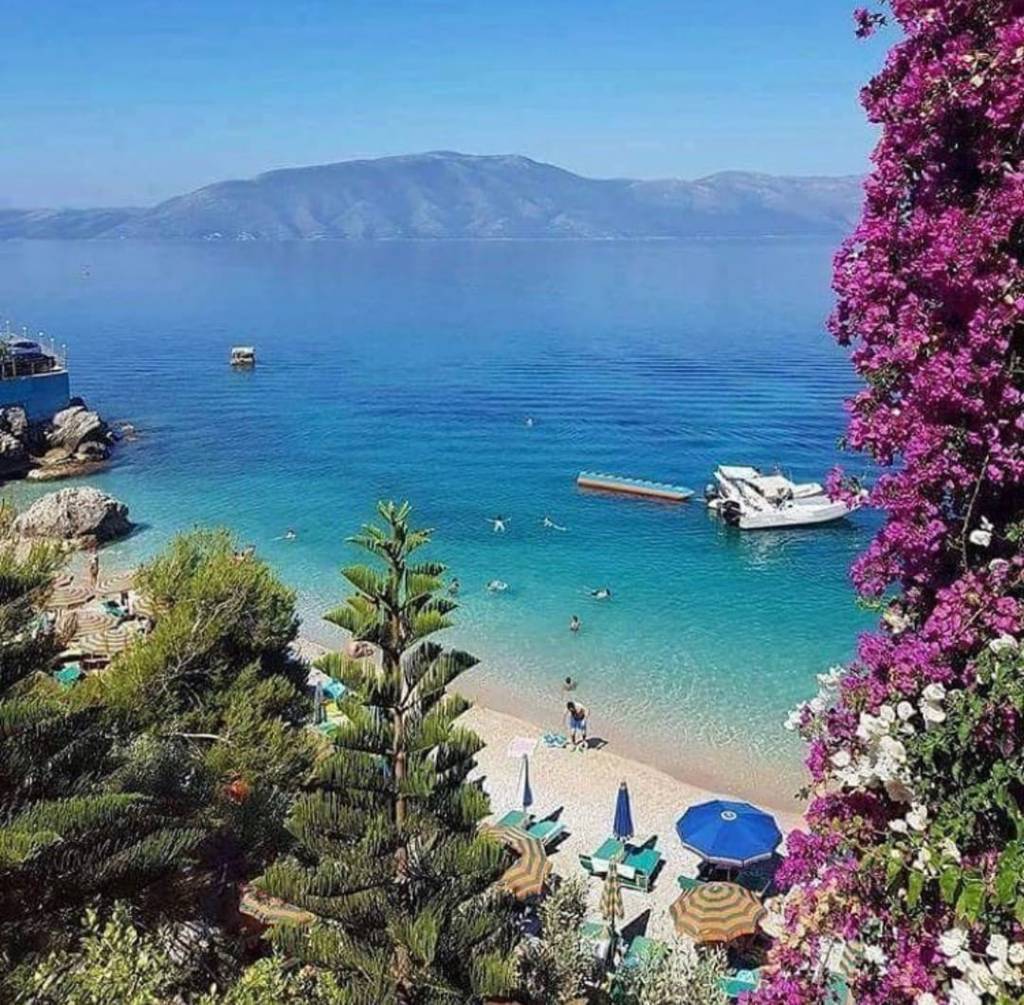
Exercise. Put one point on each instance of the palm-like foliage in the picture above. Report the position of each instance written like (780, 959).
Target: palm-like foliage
(389, 857)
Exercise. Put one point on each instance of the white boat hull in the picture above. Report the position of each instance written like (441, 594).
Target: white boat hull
(794, 516)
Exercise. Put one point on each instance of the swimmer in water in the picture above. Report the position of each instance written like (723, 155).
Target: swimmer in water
(290, 535)
(603, 593)
(498, 523)
(548, 524)
(454, 587)
(575, 625)
(497, 586)
(529, 422)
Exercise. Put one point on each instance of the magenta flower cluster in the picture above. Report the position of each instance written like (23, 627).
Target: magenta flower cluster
(930, 296)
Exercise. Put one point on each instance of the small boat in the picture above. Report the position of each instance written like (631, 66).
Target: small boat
(633, 486)
(243, 355)
(750, 500)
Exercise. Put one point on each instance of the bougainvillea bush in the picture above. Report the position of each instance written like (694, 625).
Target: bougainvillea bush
(914, 859)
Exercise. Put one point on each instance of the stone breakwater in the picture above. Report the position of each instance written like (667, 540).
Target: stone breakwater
(75, 441)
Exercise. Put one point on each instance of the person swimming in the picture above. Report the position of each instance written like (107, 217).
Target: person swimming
(550, 524)
(453, 588)
(602, 593)
(289, 535)
(497, 586)
(498, 523)
(574, 626)
(529, 422)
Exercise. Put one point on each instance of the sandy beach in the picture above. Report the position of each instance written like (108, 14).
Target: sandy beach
(579, 788)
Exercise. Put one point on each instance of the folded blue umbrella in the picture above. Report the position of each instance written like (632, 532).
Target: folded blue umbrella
(622, 827)
(729, 834)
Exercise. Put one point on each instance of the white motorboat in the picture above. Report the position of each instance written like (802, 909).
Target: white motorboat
(750, 500)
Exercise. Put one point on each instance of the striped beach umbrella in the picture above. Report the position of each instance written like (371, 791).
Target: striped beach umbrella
(109, 641)
(88, 620)
(69, 595)
(716, 912)
(526, 877)
(116, 583)
(147, 607)
(611, 898)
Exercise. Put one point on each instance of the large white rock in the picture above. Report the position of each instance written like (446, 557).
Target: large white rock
(77, 514)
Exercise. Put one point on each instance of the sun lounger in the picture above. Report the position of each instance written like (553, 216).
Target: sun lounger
(757, 878)
(515, 818)
(546, 831)
(643, 948)
(334, 689)
(68, 675)
(114, 609)
(596, 936)
(688, 883)
(740, 982)
(635, 866)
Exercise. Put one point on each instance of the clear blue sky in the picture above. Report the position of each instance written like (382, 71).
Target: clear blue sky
(111, 102)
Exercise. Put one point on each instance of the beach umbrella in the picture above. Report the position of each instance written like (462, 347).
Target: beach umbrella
(611, 898)
(109, 641)
(527, 875)
(116, 583)
(622, 826)
(716, 912)
(69, 595)
(146, 607)
(523, 789)
(728, 833)
(87, 621)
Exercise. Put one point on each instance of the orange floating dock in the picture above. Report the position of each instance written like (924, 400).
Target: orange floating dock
(633, 486)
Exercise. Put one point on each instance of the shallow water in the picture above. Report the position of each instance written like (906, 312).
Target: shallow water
(408, 370)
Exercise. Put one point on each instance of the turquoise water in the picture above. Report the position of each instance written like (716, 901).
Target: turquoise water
(409, 369)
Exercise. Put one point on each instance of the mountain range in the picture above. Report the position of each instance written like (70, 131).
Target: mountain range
(452, 195)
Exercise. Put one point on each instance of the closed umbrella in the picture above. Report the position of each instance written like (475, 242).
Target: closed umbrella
(622, 826)
(729, 834)
(611, 898)
(523, 787)
(716, 912)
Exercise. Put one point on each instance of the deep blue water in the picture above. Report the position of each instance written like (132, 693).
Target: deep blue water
(408, 370)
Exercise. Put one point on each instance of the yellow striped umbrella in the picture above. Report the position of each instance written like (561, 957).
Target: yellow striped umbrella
(611, 898)
(116, 583)
(69, 595)
(147, 607)
(716, 912)
(89, 621)
(268, 910)
(527, 875)
(109, 641)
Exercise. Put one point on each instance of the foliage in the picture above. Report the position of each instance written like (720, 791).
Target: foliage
(683, 975)
(270, 982)
(556, 968)
(389, 858)
(114, 964)
(915, 845)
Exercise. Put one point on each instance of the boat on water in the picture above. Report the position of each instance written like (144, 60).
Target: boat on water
(243, 356)
(746, 498)
(632, 486)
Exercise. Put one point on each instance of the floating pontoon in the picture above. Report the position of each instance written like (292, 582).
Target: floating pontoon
(632, 486)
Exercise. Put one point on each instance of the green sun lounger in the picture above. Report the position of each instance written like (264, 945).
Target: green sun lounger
(68, 675)
(547, 832)
(688, 883)
(636, 866)
(643, 948)
(595, 935)
(515, 818)
(740, 982)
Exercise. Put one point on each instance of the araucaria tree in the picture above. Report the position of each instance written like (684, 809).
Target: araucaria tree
(389, 857)
(915, 855)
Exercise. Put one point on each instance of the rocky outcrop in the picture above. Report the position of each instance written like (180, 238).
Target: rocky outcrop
(75, 441)
(81, 516)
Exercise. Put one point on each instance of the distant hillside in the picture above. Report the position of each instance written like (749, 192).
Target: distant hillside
(451, 195)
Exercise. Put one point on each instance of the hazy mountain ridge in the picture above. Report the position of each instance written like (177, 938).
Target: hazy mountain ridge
(451, 195)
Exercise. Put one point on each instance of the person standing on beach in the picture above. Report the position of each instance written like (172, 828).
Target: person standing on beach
(94, 568)
(576, 721)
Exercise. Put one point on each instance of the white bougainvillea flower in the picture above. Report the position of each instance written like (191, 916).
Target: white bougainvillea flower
(981, 538)
(1003, 644)
(918, 817)
(1015, 954)
(949, 849)
(905, 711)
(961, 993)
(952, 942)
(926, 998)
(899, 825)
(841, 758)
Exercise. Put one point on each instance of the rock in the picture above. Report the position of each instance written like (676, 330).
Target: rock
(76, 425)
(14, 459)
(13, 420)
(90, 450)
(81, 515)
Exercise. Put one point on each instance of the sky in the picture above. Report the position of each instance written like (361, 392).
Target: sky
(127, 103)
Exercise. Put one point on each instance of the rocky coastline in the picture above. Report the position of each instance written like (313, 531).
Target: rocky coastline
(75, 441)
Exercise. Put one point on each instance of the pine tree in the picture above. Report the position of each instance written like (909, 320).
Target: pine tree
(389, 859)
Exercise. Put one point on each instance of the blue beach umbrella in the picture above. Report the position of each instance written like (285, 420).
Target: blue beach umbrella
(729, 834)
(622, 828)
(523, 788)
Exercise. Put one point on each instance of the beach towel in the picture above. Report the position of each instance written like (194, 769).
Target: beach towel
(555, 740)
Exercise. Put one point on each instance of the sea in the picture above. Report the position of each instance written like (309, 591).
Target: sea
(477, 379)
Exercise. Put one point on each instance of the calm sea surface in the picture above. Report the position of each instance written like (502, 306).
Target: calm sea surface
(408, 371)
